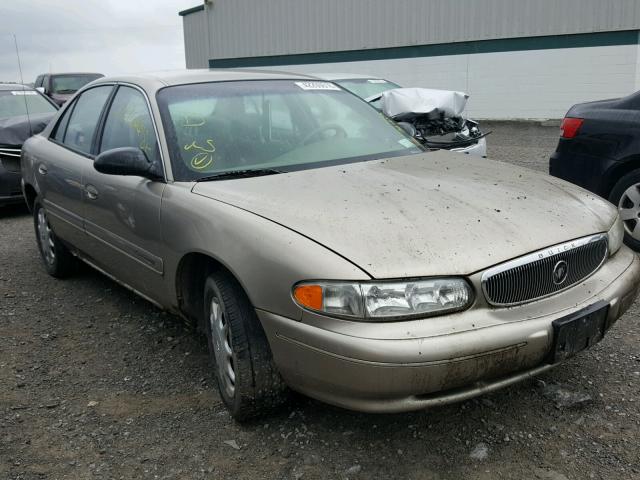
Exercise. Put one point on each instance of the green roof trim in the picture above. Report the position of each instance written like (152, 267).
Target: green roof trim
(599, 39)
(188, 11)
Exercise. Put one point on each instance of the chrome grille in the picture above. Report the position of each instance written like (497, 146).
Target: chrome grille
(10, 159)
(531, 277)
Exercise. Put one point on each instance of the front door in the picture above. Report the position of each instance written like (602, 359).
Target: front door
(122, 213)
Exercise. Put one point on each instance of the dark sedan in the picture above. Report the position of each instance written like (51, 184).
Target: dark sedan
(23, 112)
(599, 150)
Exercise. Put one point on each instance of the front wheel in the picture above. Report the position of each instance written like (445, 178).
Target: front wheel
(248, 380)
(626, 196)
(57, 259)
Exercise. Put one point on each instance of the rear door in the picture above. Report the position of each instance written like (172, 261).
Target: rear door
(122, 213)
(59, 174)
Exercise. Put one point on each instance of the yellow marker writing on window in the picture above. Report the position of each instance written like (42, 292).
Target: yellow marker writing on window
(203, 157)
(189, 122)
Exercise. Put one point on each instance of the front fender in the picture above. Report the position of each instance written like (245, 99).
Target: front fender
(265, 257)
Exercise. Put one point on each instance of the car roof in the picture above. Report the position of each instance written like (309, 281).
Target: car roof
(344, 76)
(13, 86)
(183, 77)
(69, 73)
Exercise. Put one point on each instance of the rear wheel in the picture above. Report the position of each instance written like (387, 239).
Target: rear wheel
(626, 195)
(57, 259)
(248, 380)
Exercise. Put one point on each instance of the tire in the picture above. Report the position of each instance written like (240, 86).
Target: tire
(237, 341)
(56, 257)
(625, 194)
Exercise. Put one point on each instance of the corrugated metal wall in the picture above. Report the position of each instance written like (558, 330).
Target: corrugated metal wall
(196, 49)
(249, 28)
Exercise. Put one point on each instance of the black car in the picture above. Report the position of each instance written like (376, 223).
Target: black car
(23, 112)
(599, 150)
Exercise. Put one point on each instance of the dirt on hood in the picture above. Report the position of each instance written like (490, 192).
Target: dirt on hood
(438, 213)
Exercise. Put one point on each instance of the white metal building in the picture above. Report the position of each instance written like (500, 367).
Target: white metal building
(516, 58)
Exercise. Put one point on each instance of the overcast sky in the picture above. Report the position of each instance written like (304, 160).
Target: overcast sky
(105, 36)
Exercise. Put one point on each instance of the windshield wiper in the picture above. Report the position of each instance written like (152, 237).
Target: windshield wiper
(255, 172)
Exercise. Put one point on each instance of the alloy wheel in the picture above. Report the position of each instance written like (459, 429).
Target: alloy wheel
(629, 208)
(45, 238)
(221, 337)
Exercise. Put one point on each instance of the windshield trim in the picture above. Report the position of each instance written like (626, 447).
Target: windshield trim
(315, 165)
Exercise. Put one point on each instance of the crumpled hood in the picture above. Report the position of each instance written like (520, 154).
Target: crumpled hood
(400, 103)
(438, 213)
(15, 130)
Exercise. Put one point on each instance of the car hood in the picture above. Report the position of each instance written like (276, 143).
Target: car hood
(438, 213)
(15, 130)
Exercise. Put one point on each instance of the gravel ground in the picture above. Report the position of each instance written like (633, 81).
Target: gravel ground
(97, 383)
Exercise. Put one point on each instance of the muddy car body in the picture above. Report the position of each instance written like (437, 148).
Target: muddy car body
(338, 258)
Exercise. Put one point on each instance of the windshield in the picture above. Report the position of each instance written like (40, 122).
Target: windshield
(14, 103)
(282, 125)
(367, 87)
(71, 83)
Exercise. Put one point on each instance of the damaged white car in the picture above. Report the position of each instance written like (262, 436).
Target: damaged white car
(434, 117)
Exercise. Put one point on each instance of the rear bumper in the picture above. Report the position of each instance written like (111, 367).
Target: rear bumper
(586, 171)
(360, 370)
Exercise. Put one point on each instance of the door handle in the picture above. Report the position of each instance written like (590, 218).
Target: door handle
(91, 191)
(42, 169)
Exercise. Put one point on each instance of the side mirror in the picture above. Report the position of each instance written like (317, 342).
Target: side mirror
(407, 127)
(128, 161)
(40, 89)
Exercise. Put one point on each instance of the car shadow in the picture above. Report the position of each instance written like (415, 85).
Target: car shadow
(14, 210)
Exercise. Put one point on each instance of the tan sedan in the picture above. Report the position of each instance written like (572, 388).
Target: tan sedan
(318, 246)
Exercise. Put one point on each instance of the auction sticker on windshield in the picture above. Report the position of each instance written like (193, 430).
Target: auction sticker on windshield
(317, 86)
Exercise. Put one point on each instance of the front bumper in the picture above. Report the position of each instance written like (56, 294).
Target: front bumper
(479, 149)
(403, 366)
(10, 190)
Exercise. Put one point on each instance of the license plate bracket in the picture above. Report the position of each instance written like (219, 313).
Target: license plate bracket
(578, 331)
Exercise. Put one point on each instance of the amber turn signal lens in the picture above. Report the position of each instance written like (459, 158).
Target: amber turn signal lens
(309, 296)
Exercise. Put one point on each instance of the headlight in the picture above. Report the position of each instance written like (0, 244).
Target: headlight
(616, 236)
(379, 301)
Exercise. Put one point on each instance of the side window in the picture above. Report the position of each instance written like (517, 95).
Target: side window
(58, 136)
(129, 124)
(38, 82)
(84, 118)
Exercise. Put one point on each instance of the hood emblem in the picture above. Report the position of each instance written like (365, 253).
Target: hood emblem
(560, 271)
